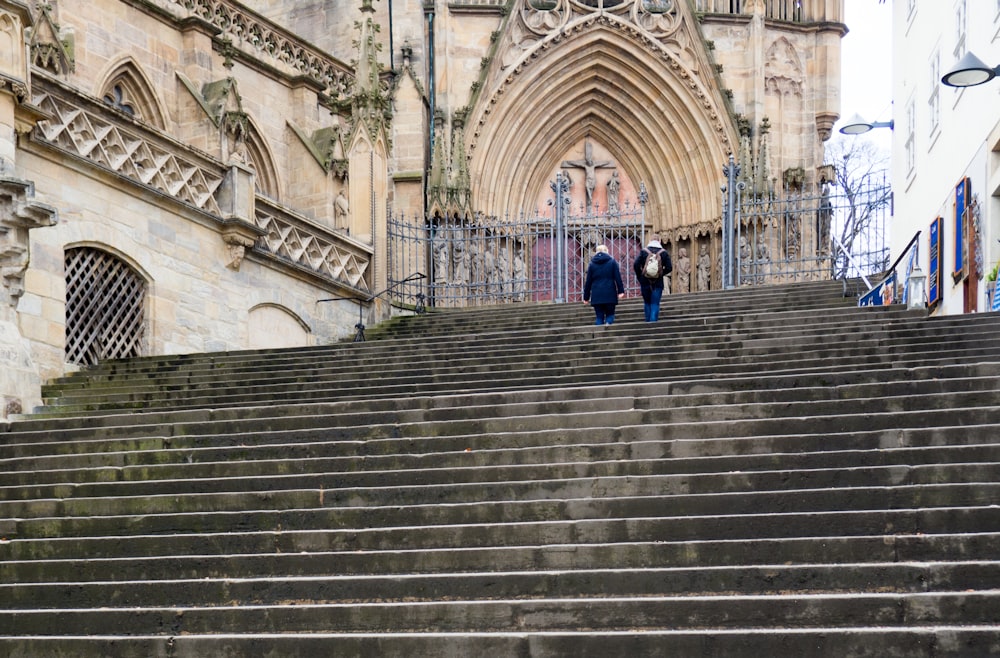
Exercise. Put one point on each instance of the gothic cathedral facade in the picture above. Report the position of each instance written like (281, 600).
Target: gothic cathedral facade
(203, 175)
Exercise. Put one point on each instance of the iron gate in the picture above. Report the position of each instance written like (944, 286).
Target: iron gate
(482, 260)
(835, 233)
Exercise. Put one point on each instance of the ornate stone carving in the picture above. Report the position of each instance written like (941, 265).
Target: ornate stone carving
(704, 269)
(50, 48)
(80, 130)
(589, 167)
(297, 240)
(237, 243)
(18, 214)
(261, 38)
(77, 128)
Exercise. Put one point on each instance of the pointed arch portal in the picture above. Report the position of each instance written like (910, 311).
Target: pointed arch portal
(608, 83)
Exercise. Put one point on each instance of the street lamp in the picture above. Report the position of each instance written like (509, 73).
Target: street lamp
(969, 72)
(858, 126)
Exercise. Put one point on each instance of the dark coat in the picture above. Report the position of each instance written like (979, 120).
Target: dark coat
(644, 282)
(604, 280)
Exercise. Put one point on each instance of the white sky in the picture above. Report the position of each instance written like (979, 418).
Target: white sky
(866, 65)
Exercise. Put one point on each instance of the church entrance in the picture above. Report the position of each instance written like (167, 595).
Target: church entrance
(540, 255)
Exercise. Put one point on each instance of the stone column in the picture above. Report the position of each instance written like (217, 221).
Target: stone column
(20, 383)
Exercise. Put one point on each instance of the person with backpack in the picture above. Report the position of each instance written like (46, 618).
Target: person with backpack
(650, 266)
(603, 286)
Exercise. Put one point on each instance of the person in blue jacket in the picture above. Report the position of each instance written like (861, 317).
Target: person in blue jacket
(652, 289)
(603, 286)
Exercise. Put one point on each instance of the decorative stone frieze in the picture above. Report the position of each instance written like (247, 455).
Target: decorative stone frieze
(299, 241)
(261, 38)
(79, 128)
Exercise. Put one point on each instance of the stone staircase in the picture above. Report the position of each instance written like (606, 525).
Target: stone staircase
(770, 470)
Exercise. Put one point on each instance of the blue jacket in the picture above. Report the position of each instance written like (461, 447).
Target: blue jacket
(604, 280)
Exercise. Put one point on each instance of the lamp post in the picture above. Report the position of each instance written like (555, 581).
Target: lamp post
(969, 72)
(856, 125)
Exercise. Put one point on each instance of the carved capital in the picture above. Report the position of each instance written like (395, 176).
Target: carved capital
(18, 214)
(239, 236)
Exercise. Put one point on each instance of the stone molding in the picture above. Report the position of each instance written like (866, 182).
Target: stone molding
(297, 240)
(260, 38)
(81, 127)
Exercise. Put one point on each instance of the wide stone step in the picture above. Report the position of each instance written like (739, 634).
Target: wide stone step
(914, 641)
(281, 474)
(309, 380)
(895, 366)
(484, 343)
(509, 450)
(520, 379)
(535, 615)
(502, 347)
(301, 510)
(772, 579)
(948, 520)
(703, 554)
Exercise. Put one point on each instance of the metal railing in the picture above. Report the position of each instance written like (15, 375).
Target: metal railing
(537, 256)
(801, 236)
(887, 290)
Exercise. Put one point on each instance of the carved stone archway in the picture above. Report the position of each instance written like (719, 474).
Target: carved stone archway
(603, 76)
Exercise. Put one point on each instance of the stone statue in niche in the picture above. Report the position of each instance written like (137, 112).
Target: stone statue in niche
(459, 262)
(441, 257)
(518, 274)
(824, 219)
(704, 269)
(746, 260)
(614, 190)
(503, 275)
(342, 210)
(762, 259)
(683, 271)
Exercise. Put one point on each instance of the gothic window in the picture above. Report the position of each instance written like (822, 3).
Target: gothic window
(266, 180)
(116, 99)
(105, 307)
(126, 89)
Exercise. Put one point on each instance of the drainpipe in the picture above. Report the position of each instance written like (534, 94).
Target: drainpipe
(392, 53)
(429, 13)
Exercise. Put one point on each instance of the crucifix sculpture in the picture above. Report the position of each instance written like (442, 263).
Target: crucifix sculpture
(590, 169)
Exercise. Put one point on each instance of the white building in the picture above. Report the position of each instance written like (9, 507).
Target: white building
(946, 148)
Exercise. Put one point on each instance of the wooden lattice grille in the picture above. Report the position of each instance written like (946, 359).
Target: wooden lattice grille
(105, 301)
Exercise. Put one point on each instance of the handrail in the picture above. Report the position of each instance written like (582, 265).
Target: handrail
(359, 334)
(906, 249)
(911, 249)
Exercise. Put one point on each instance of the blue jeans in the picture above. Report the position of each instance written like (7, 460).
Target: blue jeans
(651, 306)
(605, 313)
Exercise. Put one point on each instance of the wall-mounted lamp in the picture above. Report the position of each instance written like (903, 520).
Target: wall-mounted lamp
(858, 126)
(969, 72)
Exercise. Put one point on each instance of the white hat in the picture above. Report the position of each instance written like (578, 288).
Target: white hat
(655, 243)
